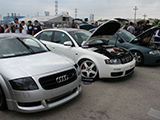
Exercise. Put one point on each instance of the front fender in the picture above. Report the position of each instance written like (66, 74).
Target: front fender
(97, 59)
(5, 88)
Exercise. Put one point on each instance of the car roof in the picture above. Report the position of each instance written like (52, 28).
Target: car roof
(13, 35)
(66, 29)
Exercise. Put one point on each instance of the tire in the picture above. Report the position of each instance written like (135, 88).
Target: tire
(88, 69)
(3, 105)
(139, 57)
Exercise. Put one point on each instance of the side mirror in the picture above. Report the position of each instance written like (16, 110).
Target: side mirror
(68, 43)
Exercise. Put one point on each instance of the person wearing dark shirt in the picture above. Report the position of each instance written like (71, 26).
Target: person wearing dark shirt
(138, 29)
(96, 25)
(126, 26)
(30, 28)
(36, 27)
(147, 26)
(12, 28)
(1, 29)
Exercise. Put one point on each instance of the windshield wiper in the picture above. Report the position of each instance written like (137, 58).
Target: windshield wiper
(26, 45)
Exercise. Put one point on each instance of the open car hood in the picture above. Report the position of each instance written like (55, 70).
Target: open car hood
(104, 32)
(147, 34)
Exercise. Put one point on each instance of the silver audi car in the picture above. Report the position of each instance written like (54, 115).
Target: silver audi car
(32, 78)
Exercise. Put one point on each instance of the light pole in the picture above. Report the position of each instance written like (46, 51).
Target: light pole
(145, 16)
(135, 8)
(76, 12)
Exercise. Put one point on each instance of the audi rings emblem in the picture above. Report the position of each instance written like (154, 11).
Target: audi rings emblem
(61, 79)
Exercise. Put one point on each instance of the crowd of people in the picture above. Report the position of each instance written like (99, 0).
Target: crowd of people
(31, 29)
(17, 27)
(137, 29)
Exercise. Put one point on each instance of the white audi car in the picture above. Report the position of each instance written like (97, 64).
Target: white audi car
(92, 52)
(32, 78)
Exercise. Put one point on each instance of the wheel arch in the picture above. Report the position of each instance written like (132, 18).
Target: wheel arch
(4, 87)
(140, 53)
(137, 51)
(83, 59)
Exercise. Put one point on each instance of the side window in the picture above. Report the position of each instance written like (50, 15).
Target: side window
(60, 37)
(46, 35)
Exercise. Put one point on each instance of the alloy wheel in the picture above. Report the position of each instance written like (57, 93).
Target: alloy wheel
(138, 57)
(88, 69)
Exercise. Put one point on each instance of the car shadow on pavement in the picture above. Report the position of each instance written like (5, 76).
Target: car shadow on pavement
(149, 66)
(117, 80)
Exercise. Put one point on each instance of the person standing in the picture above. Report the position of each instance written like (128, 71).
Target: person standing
(6, 29)
(147, 26)
(12, 28)
(25, 28)
(157, 36)
(17, 27)
(131, 29)
(65, 25)
(96, 25)
(126, 26)
(36, 27)
(73, 24)
(138, 29)
(1, 29)
(30, 28)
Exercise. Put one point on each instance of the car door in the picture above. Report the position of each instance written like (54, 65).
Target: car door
(46, 37)
(58, 44)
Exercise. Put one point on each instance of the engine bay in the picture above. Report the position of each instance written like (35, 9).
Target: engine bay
(113, 52)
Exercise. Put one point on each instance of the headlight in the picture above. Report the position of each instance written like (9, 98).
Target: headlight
(154, 52)
(23, 84)
(113, 61)
(78, 69)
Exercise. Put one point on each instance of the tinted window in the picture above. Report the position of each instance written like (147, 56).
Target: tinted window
(46, 35)
(127, 36)
(80, 36)
(60, 37)
(20, 46)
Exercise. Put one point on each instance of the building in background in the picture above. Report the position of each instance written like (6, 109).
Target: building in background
(48, 21)
(91, 17)
(7, 19)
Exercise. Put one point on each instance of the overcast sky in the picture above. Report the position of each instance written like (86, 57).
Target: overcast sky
(102, 9)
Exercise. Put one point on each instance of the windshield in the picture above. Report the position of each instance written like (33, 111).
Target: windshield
(20, 46)
(127, 36)
(80, 36)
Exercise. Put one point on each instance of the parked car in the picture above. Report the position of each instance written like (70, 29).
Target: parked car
(143, 47)
(83, 24)
(95, 57)
(32, 78)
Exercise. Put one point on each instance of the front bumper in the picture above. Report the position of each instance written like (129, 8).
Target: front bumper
(151, 59)
(40, 100)
(117, 71)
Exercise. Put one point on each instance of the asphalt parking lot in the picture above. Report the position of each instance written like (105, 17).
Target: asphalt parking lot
(136, 97)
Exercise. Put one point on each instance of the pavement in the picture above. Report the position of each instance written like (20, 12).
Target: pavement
(136, 97)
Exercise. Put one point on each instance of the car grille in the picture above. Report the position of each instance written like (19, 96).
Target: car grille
(55, 99)
(115, 74)
(58, 80)
(126, 59)
(129, 71)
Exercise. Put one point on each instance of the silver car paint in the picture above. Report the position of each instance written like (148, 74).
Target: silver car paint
(35, 66)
